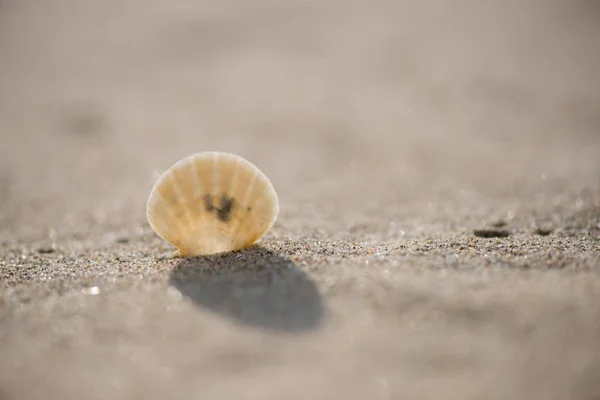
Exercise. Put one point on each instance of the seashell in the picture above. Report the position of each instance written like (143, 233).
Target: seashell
(212, 202)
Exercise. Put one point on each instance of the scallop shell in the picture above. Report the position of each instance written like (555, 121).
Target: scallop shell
(212, 202)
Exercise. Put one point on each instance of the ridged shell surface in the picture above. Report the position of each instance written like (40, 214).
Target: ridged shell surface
(212, 202)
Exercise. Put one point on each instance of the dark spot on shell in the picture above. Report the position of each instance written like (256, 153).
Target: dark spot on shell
(249, 208)
(225, 207)
(491, 233)
(208, 204)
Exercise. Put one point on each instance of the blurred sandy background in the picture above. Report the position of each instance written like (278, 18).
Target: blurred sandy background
(391, 130)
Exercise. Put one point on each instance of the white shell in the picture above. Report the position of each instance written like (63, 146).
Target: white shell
(212, 202)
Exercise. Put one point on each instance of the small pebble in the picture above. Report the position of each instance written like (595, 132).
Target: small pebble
(47, 249)
(491, 233)
(499, 224)
(543, 230)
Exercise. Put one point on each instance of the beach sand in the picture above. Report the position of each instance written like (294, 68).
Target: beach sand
(438, 170)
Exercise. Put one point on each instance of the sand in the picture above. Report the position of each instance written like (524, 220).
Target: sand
(437, 164)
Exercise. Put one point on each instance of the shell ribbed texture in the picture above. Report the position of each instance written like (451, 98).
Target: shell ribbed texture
(212, 202)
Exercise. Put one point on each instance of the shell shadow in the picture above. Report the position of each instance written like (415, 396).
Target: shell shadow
(254, 286)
